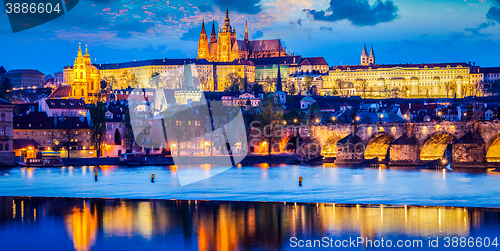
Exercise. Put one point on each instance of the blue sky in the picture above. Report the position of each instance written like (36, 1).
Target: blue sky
(401, 31)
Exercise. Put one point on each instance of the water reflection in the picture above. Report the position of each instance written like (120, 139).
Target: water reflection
(91, 224)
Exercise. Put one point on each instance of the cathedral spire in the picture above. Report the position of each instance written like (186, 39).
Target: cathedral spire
(246, 31)
(213, 36)
(364, 53)
(203, 26)
(371, 52)
(227, 24)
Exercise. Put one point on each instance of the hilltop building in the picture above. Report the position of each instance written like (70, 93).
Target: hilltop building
(226, 48)
(398, 80)
(83, 77)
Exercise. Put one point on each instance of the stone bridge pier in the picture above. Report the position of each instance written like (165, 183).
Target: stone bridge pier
(463, 143)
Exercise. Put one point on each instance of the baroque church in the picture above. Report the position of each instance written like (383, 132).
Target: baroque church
(226, 48)
(83, 77)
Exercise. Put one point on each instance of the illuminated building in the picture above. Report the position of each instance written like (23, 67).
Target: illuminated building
(137, 73)
(83, 77)
(7, 156)
(24, 78)
(244, 69)
(226, 48)
(399, 80)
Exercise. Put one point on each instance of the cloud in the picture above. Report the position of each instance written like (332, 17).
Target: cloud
(359, 12)
(477, 31)
(150, 49)
(325, 28)
(193, 34)
(244, 6)
(258, 34)
(493, 14)
(205, 7)
(126, 29)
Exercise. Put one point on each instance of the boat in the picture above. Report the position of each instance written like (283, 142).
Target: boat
(44, 159)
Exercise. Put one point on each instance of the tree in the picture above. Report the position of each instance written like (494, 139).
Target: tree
(270, 122)
(307, 82)
(363, 85)
(2, 70)
(339, 84)
(314, 91)
(6, 85)
(154, 80)
(128, 79)
(234, 83)
(450, 86)
(495, 88)
(118, 137)
(98, 126)
(256, 88)
(111, 82)
(128, 133)
(67, 133)
(290, 88)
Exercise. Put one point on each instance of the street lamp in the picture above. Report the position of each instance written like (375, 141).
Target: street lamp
(294, 120)
(317, 120)
(380, 117)
(334, 118)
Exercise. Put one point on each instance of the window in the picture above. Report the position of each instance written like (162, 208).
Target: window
(6, 147)
(3, 117)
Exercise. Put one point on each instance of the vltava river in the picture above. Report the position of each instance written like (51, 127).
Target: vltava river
(125, 224)
(329, 184)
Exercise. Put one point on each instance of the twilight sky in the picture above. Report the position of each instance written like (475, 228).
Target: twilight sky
(401, 31)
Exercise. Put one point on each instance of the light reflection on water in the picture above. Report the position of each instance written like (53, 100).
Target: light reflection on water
(98, 224)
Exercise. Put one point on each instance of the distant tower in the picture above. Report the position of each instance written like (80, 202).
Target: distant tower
(227, 37)
(364, 56)
(371, 58)
(246, 32)
(203, 43)
(213, 36)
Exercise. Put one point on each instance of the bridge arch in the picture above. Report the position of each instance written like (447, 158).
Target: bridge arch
(329, 148)
(378, 145)
(493, 151)
(435, 145)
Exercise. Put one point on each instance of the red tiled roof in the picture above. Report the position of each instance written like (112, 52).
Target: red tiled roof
(313, 61)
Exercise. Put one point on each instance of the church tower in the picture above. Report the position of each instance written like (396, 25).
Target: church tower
(213, 36)
(227, 37)
(86, 80)
(246, 32)
(364, 56)
(371, 58)
(203, 43)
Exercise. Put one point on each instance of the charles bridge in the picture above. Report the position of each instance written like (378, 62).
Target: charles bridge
(463, 143)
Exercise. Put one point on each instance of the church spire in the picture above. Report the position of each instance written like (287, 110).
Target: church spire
(279, 86)
(227, 24)
(213, 37)
(246, 31)
(203, 26)
(371, 58)
(86, 51)
(364, 53)
(79, 49)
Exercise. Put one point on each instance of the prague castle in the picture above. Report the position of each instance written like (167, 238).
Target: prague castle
(226, 48)
(399, 80)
